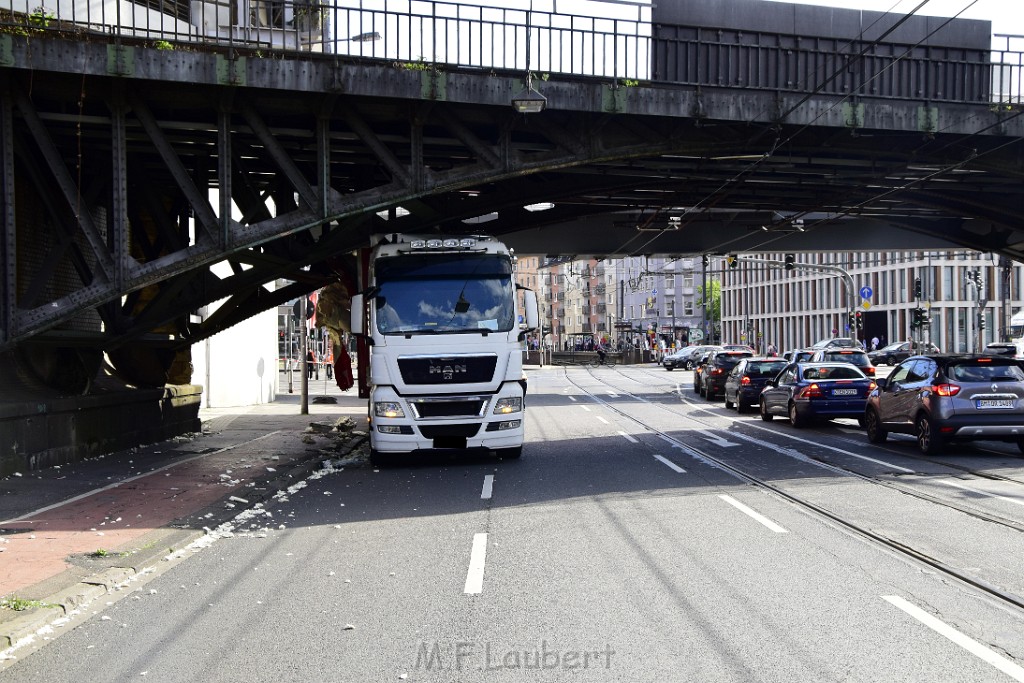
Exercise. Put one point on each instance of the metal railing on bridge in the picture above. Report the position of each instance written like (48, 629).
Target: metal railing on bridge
(618, 40)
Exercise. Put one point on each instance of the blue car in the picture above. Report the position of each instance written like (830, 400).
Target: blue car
(808, 391)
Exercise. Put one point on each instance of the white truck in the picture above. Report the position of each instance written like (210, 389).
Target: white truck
(446, 371)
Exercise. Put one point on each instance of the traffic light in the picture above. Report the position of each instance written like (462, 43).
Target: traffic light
(706, 260)
(853, 320)
(860, 320)
(981, 322)
(915, 318)
(790, 261)
(917, 288)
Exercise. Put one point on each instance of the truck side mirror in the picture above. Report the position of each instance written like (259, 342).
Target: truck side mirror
(358, 313)
(532, 313)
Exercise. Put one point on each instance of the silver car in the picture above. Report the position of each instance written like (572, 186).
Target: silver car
(940, 398)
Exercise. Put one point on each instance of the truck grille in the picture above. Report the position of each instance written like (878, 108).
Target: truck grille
(447, 369)
(450, 431)
(467, 406)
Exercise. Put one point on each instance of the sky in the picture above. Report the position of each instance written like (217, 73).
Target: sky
(1007, 16)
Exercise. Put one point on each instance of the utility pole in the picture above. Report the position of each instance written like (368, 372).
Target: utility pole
(303, 350)
(972, 278)
(1004, 280)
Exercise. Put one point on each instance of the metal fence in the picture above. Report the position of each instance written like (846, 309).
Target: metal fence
(605, 39)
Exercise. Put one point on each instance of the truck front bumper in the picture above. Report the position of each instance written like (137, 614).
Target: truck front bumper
(423, 426)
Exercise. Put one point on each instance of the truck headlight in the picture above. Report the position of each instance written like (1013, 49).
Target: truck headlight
(388, 409)
(512, 404)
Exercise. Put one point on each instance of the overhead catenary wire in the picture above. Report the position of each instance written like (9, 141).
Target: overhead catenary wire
(974, 154)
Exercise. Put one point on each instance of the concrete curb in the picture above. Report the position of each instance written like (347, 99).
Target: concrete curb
(23, 626)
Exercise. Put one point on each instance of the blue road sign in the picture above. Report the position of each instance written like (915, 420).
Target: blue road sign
(865, 292)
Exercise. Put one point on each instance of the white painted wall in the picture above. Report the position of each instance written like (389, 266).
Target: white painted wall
(242, 365)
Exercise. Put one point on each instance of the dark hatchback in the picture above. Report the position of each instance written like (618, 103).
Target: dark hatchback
(939, 398)
(900, 351)
(744, 384)
(717, 369)
(809, 391)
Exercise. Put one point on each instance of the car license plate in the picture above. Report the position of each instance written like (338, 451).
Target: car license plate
(984, 403)
(844, 392)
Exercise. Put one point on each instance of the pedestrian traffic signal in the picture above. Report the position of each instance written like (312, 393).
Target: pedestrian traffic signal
(790, 261)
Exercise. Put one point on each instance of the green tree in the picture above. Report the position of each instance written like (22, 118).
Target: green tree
(713, 297)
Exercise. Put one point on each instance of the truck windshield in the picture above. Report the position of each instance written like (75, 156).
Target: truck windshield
(442, 293)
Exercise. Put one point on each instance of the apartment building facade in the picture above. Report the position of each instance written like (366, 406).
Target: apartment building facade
(793, 308)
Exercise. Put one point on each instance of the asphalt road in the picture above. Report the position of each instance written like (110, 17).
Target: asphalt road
(621, 547)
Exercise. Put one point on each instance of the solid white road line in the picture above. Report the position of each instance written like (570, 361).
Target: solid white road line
(756, 515)
(974, 647)
(628, 438)
(671, 464)
(602, 419)
(475, 575)
(485, 494)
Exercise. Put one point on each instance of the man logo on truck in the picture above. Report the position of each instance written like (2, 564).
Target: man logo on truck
(448, 371)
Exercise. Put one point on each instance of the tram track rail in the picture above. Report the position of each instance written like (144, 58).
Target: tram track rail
(913, 456)
(892, 545)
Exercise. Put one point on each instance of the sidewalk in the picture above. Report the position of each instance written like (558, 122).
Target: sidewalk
(71, 534)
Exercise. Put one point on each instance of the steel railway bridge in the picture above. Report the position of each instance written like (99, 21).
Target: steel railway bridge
(136, 152)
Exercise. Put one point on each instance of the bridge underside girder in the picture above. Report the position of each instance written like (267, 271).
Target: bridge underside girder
(121, 194)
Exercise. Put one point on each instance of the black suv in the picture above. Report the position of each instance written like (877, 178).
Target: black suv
(845, 355)
(944, 397)
(716, 369)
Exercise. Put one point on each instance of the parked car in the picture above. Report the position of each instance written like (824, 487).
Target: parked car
(891, 354)
(717, 368)
(845, 355)
(808, 391)
(837, 342)
(744, 384)
(798, 355)
(940, 398)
